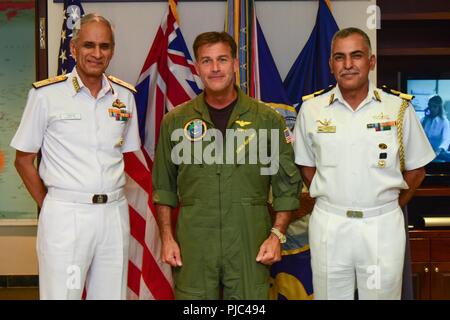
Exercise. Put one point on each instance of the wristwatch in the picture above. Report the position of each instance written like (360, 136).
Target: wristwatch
(278, 233)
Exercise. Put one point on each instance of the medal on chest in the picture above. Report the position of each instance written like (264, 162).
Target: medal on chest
(119, 111)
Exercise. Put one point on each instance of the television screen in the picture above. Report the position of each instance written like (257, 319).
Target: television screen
(432, 105)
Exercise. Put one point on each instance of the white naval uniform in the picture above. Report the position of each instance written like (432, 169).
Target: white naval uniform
(357, 170)
(82, 146)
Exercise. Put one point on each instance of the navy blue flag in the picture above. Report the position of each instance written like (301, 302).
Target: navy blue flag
(73, 11)
(311, 71)
(270, 84)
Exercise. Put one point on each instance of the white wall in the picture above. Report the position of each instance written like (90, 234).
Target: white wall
(286, 25)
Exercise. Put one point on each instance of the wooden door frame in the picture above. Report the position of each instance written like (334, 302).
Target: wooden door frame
(41, 36)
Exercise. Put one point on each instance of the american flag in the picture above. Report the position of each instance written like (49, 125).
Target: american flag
(73, 11)
(168, 78)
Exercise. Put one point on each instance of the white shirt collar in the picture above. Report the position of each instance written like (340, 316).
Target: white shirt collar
(371, 95)
(77, 84)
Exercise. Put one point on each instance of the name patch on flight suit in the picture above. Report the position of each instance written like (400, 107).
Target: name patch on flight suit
(325, 126)
(195, 129)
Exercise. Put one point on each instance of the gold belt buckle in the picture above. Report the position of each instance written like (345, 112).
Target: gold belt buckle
(355, 214)
(100, 198)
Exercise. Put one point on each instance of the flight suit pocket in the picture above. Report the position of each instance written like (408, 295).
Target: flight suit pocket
(249, 201)
(187, 202)
(186, 293)
(262, 291)
(290, 174)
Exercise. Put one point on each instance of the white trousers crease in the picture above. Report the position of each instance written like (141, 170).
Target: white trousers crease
(363, 252)
(83, 246)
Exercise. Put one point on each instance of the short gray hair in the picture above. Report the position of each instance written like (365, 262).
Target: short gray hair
(344, 33)
(90, 17)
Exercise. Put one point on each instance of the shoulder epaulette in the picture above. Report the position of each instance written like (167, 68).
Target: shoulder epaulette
(317, 93)
(122, 83)
(402, 95)
(46, 82)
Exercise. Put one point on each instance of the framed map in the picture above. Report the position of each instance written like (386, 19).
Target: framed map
(17, 72)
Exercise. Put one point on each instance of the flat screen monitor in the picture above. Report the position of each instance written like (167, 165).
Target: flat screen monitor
(432, 105)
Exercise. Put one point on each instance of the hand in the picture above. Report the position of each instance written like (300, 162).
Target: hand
(170, 253)
(270, 251)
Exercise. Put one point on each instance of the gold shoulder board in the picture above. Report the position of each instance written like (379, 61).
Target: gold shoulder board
(122, 83)
(397, 93)
(406, 96)
(309, 96)
(317, 93)
(46, 82)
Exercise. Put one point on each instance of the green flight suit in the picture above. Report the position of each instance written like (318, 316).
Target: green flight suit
(224, 216)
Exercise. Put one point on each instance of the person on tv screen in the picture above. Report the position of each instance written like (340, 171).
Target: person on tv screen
(437, 128)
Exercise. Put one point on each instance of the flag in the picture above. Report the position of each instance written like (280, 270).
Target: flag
(258, 75)
(168, 78)
(310, 71)
(291, 278)
(73, 11)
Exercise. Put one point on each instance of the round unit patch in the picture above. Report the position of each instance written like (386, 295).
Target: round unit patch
(195, 129)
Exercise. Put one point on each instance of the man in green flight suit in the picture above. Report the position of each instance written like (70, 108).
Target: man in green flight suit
(217, 157)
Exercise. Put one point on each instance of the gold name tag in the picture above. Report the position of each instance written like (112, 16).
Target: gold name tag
(326, 129)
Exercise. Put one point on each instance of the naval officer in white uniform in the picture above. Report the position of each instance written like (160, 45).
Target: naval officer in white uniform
(347, 146)
(81, 123)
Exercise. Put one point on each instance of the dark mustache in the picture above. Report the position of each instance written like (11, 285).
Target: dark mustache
(345, 72)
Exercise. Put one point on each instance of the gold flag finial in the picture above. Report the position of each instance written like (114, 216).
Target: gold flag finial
(173, 6)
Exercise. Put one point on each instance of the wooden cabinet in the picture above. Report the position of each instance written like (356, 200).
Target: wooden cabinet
(413, 37)
(430, 256)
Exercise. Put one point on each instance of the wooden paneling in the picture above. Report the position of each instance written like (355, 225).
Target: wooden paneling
(440, 281)
(432, 191)
(440, 249)
(420, 250)
(421, 281)
(413, 6)
(430, 251)
(414, 37)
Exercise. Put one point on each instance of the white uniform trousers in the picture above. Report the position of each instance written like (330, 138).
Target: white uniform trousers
(368, 251)
(83, 246)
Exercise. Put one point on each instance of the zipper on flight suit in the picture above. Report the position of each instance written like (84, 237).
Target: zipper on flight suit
(219, 172)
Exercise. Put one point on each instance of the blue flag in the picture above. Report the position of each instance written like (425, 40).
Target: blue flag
(73, 11)
(270, 84)
(310, 71)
